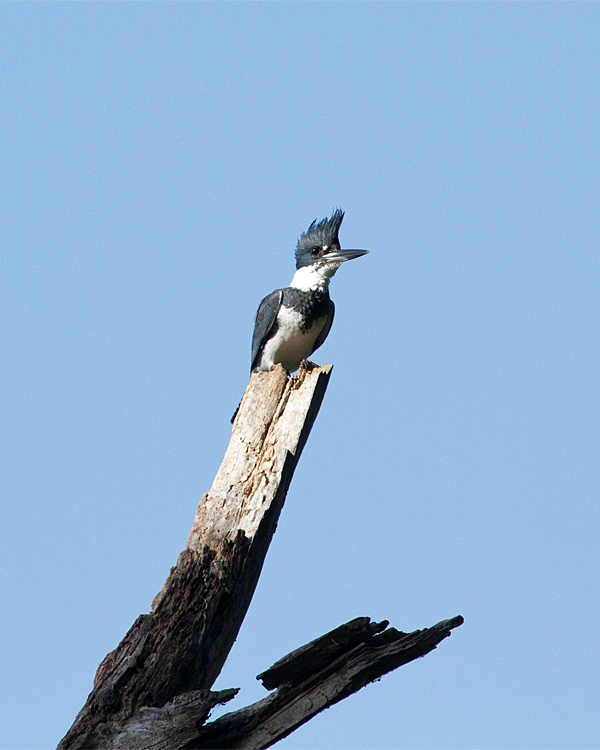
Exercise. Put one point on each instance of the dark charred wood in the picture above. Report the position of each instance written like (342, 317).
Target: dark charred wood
(308, 659)
(348, 669)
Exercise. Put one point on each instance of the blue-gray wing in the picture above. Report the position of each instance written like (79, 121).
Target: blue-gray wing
(327, 327)
(264, 325)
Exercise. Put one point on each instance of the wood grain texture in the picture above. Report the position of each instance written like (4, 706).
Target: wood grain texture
(181, 646)
(165, 728)
(317, 676)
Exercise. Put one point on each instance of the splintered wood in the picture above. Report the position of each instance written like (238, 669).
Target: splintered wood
(272, 424)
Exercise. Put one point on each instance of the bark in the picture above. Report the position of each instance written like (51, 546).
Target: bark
(182, 644)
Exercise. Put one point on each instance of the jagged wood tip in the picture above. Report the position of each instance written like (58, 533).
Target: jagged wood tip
(315, 677)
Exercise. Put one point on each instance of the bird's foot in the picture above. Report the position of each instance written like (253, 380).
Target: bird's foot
(305, 364)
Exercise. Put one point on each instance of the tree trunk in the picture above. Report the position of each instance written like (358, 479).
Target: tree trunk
(153, 690)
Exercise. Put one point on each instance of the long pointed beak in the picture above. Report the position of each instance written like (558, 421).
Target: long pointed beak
(339, 256)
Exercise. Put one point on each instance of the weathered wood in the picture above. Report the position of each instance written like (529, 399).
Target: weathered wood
(153, 691)
(317, 676)
(165, 728)
(180, 647)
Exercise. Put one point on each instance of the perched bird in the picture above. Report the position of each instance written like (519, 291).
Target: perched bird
(292, 323)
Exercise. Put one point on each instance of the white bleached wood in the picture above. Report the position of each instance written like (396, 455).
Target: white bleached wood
(268, 426)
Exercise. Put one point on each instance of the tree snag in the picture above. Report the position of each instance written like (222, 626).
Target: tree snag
(153, 690)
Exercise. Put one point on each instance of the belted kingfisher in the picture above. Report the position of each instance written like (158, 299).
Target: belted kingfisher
(292, 323)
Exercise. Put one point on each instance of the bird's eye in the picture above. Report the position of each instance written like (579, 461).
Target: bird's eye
(315, 250)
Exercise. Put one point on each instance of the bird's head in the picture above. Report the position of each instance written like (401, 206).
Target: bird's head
(319, 246)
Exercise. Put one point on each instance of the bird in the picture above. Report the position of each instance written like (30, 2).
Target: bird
(293, 322)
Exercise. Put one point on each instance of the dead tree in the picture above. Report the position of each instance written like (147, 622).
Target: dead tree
(153, 690)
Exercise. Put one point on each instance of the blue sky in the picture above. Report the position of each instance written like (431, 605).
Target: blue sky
(159, 161)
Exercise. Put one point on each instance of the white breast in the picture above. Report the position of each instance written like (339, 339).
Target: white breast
(290, 345)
